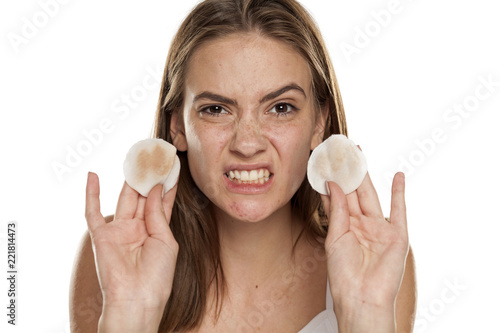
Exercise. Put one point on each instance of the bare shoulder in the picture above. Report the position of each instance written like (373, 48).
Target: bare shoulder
(85, 298)
(406, 301)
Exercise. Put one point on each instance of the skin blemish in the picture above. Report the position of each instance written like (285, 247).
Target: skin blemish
(154, 161)
(241, 212)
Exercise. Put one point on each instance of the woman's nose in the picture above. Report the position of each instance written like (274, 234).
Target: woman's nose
(247, 139)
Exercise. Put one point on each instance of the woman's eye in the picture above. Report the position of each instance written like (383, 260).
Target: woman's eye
(214, 110)
(282, 109)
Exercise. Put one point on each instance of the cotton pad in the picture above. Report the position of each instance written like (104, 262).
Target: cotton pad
(336, 159)
(150, 162)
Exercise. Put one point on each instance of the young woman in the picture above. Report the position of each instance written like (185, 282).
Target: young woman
(248, 89)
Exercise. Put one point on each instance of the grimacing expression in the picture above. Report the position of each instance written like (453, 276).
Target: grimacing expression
(248, 123)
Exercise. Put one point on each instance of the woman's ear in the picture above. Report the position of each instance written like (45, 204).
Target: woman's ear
(319, 130)
(177, 131)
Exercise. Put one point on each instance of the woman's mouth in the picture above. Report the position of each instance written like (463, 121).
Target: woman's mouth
(249, 177)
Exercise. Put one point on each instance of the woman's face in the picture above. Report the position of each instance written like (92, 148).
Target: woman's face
(249, 123)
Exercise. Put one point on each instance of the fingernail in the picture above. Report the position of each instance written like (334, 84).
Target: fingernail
(327, 188)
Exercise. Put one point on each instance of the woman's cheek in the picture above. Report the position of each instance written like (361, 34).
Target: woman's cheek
(201, 136)
(292, 141)
(205, 148)
(293, 148)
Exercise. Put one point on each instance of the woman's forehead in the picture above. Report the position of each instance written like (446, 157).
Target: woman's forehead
(246, 61)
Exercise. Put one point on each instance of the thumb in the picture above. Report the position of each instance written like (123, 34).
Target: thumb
(156, 216)
(338, 212)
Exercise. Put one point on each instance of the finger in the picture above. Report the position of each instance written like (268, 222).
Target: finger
(325, 199)
(141, 204)
(338, 212)
(156, 221)
(368, 198)
(127, 203)
(398, 205)
(353, 200)
(92, 204)
(353, 204)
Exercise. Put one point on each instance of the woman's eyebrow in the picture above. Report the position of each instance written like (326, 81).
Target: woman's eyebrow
(274, 94)
(215, 97)
(229, 101)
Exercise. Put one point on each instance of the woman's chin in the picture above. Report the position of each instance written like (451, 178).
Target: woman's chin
(248, 211)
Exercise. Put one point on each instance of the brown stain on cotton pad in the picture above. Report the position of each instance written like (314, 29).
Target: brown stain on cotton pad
(153, 161)
(150, 162)
(336, 159)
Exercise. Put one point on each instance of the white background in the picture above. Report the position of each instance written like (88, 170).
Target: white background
(75, 68)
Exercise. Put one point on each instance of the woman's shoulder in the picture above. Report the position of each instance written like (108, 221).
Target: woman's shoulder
(85, 301)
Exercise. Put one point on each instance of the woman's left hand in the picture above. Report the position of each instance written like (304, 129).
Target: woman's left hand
(366, 255)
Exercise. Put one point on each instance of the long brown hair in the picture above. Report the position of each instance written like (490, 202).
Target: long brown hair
(193, 223)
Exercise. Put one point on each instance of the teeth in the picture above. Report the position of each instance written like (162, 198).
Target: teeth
(253, 175)
(259, 176)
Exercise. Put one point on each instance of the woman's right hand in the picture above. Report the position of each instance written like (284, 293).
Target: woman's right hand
(135, 255)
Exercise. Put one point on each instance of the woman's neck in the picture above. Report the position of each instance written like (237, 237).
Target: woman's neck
(251, 253)
(268, 270)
